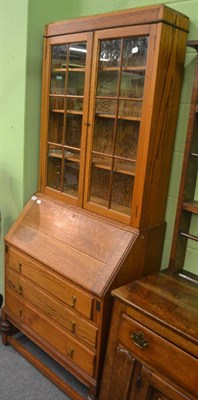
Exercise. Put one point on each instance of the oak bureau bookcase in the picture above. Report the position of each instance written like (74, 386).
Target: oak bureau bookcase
(110, 96)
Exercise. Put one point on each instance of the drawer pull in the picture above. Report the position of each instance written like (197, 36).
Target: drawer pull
(19, 265)
(11, 284)
(20, 289)
(73, 326)
(70, 352)
(139, 340)
(73, 301)
(20, 312)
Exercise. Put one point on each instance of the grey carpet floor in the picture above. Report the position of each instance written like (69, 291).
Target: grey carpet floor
(20, 380)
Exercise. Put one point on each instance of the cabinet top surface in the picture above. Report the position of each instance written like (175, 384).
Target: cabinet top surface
(171, 301)
(78, 245)
(134, 16)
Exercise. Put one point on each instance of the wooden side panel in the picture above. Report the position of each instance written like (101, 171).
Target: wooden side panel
(162, 95)
(110, 353)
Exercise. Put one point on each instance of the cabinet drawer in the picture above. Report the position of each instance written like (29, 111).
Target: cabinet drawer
(50, 281)
(159, 353)
(62, 342)
(53, 308)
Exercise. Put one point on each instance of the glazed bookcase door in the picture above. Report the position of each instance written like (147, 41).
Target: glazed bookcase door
(67, 72)
(117, 94)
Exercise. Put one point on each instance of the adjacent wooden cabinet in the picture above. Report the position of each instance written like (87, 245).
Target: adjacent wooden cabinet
(152, 350)
(110, 95)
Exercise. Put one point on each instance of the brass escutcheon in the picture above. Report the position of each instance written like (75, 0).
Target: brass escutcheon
(73, 326)
(73, 301)
(20, 289)
(139, 340)
(70, 352)
(19, 265)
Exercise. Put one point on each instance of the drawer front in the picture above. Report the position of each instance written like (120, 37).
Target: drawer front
(52, 307)
(50, 281)
(70, 348)
(159, 353)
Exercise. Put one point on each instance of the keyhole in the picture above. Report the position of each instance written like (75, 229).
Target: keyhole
(138, 382)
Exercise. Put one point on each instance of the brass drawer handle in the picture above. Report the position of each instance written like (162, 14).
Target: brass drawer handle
(11, 284)
(20, 290)
(19, 265)
(73, 301)
(73, 326)
(139, 340)
(20, 312)
(70, 352)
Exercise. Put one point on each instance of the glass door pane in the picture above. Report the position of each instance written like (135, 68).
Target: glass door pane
(135, 51)
(71, 172)
(66, 99)
(118, 106)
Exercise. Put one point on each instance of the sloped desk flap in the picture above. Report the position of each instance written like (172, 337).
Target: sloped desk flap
(78, 245)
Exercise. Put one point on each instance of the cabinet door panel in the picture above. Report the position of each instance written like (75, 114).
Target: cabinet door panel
(123, 369)
(157, 388)
(64, 125)
(116, 95)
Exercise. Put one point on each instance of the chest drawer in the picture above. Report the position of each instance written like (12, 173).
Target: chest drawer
(156, 351)
(69, 348)
(53, 283)
(53, 308)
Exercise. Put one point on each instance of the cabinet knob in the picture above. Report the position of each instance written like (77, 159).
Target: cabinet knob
(139, 340)
(73, 301)
(70, 352)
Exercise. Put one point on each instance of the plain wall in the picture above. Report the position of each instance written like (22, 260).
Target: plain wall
(22, 26)
(13, 58)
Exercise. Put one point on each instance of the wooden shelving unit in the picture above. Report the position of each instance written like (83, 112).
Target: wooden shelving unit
(187, 206)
